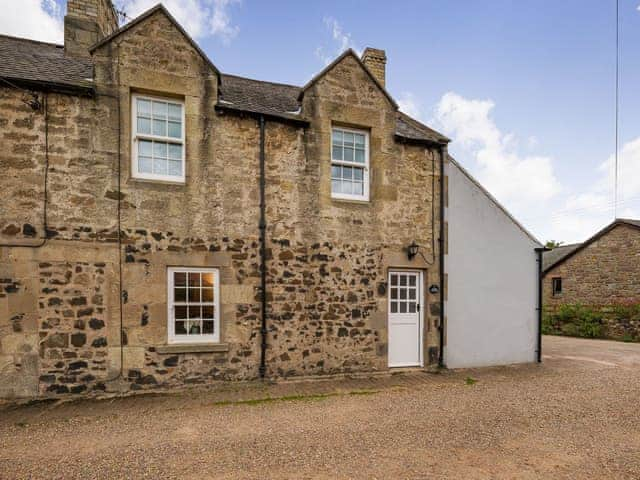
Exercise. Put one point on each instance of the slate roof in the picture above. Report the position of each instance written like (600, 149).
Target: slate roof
(43, 64)
(556, 255)
(560, 254)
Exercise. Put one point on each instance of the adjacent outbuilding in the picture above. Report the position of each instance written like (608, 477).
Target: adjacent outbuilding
(491, 264)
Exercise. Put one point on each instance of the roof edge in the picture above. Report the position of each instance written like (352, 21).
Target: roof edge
(617, 222)
(301, 122)
(64, 88)
(494, 201)
(341, 57)
(444, 139)
(143, 16)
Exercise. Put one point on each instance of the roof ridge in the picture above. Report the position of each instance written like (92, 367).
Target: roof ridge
(23, 39)
(260, 81)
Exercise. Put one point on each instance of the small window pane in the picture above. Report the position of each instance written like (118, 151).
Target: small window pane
(348, 154)
(336, 186)
(207, 327)
(180, 279)
(159, 150)
(194, 294)
(160, 166)
(194, 279)
(359, 140)
(159, 110)
(145, 165)
(359, 156)
(335, 171)
(144, 125)
(144, 108)
(403, 280)
(394, 307)
(403, 293)
(207, 311)
(346, 187)
(175, 168)
(347, 173)
(180, 295)
(207, 279)
(207, 294)
(175, 112)
(412, 281)
(194, 312)
(181, 312)
(160, 128)
(412, 293)
(145, 148)
(175, 151)
(403, 307)
(394, 279)
(175, 130)
(337, 137)
(412, 307)
(394, 293)
(348, 139)
(194, 327)
(181, 328)
(358, 189)
(336, 153)
(358, 174)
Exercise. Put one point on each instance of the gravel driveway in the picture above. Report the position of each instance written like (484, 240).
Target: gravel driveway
(575, 416)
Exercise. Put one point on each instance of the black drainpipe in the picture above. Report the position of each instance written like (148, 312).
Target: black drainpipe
(540, 251)
(443, 154)
(263, 256)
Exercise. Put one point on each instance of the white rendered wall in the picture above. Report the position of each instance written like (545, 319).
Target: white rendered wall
(491, 316)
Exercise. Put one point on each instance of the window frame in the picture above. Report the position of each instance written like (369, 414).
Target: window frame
(174, 339)
(365, 167)
(136, 137)
(555, 292)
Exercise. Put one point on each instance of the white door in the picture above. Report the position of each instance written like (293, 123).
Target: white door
(405, 318)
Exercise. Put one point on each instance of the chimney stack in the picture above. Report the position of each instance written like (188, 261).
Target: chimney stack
(376, 61)
(87, 22)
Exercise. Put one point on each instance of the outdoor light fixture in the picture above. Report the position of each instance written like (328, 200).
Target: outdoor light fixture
(412, 250)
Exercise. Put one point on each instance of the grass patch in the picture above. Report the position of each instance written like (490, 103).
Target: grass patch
(292, 398)
(470, 381)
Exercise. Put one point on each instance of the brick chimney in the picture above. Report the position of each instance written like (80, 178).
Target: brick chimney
(376, 61)
(86, 22)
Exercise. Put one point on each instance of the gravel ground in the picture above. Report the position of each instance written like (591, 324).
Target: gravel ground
(576, 416)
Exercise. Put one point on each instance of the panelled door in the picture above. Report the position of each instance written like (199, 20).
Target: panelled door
(405, 318)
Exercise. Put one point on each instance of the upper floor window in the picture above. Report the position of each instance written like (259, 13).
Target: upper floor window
(556, 286)
(194, 305)
(158, 139)
(349, 164)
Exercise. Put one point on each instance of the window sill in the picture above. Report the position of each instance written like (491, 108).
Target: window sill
(193, 348)
(178, 183)
(350, 200)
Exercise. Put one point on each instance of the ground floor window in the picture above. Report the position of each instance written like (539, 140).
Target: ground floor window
(193, 305)
(556, 285)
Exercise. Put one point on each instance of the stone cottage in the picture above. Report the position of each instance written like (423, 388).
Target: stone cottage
(164, 223)
(602, 270)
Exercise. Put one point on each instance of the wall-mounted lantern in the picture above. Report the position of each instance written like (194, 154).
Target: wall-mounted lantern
(412, 250)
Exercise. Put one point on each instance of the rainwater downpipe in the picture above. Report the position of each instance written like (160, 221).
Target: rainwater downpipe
(263, 255)
(441, 244)
(540, 251)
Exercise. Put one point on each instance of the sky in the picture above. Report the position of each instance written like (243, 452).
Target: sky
(525, 89)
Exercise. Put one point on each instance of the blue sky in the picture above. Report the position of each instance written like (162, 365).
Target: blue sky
(524, 88)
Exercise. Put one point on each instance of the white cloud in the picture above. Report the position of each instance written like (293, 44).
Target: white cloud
(200, 18)
(35, 19)
(409, 104)
(520, 181)
(341, 41)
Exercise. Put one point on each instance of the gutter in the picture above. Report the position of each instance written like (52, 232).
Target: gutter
(283, 117)
(443, 155)
(263, 255)
(539, 251)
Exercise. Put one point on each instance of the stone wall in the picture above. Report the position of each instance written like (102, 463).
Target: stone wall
(602, 273)
(60, 304)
